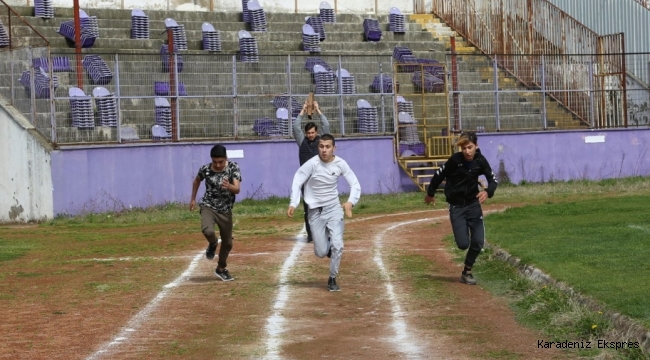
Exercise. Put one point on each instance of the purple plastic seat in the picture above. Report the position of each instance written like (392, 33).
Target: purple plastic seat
(97, 69)
(163, 113)
(405, 106)
(179, 37)
(248, 50)
(317, 24)
(311, 61)
(161, 88)
(382, 83)
(283, 121)
(371, 30)
(44, 9)
(159, 132)
(327, 13)
(310, 39)
(404, 55)
(106, 106)
(210, 38)
(89, 23)
(417, 149)
(367, 117)
(325, 80)
(165, 57)
(346, 82)
(264, 127)
(66, 29)
(432, 67)
(427, 83)
(257, 17)
(408, 131)
(81, 109)
(41, 82)
(139, 25)
(282, 101)
(396, 21)
(4, 37)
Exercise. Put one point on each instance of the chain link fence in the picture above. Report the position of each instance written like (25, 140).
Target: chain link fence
(545, 92)
(217, 96)
(214, 96)
(20, 74)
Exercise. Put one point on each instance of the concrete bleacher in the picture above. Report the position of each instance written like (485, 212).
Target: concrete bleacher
(211, 73)
(205, 73)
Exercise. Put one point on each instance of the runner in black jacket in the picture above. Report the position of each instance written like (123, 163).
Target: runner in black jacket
(464, 196)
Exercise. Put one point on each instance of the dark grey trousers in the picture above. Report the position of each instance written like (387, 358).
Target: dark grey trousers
(306, 208)
(209, 218)
(469, 230)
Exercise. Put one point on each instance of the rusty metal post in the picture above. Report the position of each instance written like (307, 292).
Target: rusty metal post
(9, 24)
(623, 79)
(602, 114)
(77, 44)
(504, 49)
(172, 82)
(454, 85)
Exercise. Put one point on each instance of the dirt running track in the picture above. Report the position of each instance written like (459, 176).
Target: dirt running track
(278, 306)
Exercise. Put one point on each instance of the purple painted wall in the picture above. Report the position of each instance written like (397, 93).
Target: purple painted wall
(110, 178)
(117, 177)
(569, 155)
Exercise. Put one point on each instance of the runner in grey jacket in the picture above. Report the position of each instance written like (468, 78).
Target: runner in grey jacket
(320, 177)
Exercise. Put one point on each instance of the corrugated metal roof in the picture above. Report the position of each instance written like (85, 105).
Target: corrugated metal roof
(615, 16)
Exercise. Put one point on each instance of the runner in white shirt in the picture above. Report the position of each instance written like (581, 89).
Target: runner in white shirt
(320, 175)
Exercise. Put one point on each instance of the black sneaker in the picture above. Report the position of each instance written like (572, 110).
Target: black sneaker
(331, 285)
(209, 252)
(467, 278)
(224, 275)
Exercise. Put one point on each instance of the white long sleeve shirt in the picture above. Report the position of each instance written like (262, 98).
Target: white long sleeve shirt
(321, 180)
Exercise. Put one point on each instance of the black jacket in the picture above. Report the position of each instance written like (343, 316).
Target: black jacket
(461, 185)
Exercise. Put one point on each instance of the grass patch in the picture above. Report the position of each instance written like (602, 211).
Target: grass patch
(591, 235)
(13, 249)
(418, 269)
(595, 245)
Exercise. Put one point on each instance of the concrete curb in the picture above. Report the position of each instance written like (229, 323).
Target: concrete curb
(628, 328)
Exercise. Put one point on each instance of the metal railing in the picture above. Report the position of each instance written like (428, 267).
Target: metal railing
(490, 98)
(219, 97)
(296, 6)
(535, 27)
(213, 97)
(16, 61)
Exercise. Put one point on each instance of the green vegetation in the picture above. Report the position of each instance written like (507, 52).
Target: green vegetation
(599, 246)
(593, 236)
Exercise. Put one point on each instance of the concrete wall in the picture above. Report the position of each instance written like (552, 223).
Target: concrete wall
(300, 6)
(570, 155)
(25, 169)
(117, 178)
(104, 178)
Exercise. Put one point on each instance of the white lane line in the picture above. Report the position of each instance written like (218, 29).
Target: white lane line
(275, 323)
(139, 258)
(135, 322)
(640, 227)
(404, 342)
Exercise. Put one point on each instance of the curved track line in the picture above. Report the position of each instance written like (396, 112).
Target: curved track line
(275, 323)
(135, 322)
(403, 341)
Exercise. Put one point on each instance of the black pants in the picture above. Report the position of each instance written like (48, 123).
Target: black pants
(306, 208)
(469, 230)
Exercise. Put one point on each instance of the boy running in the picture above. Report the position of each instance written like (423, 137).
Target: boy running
(464, 197)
